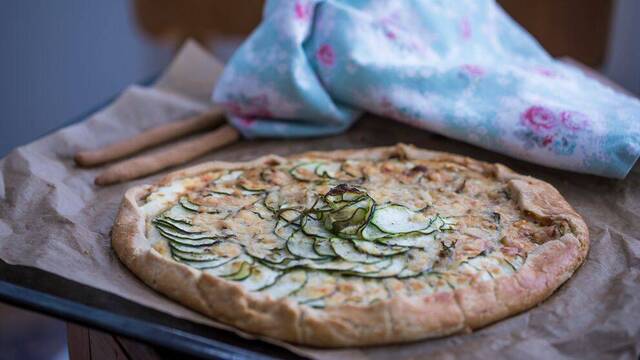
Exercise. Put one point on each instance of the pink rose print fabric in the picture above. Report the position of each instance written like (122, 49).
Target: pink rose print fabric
(559, 133)
(325, 55)
(465, 28)
(302, 10)
(473, 70)
(459, 68)
(539, 119)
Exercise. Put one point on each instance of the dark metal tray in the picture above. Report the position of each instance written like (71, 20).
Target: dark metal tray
(71, 301)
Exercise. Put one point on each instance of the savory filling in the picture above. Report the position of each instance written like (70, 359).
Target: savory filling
(330, 232)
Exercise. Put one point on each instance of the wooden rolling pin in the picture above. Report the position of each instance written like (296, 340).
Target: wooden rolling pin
(150, 138)
(173, 155)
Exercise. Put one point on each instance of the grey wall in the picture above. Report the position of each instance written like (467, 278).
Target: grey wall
(623, 57)
(59, 58)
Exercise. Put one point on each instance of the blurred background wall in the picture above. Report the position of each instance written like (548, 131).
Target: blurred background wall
(61, 58)
(622, 63)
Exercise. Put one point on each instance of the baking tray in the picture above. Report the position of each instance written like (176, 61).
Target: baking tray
(68, 300)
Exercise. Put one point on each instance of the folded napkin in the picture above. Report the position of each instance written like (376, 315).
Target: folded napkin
(460, 68)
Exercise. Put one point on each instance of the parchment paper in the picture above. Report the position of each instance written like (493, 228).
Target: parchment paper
(53, 218)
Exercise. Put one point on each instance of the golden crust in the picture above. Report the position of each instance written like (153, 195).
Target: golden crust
(395, 320)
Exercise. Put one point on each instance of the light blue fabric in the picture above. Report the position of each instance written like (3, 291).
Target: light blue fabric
(460, 68)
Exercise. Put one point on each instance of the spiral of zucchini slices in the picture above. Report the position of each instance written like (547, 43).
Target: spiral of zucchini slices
(316, 233)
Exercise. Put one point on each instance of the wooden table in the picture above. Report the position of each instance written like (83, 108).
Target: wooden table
(87, 343)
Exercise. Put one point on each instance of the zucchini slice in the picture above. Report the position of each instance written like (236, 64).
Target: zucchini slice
(180, 214)
(318, 286)
(262, 211)
(330, 265)
(439, 223)
(398, 219)
(360, 269)
(272, 201)
(352, 196)
(178, 225)
(321, 206)
(180, 239)
(222, 249)
(290, 215)
(188, 248)
(363, 269)
(377, 249)
(284, 229)
(244, 270)
(327, 170)
(282, 262)
(251, 187)
(346, 250)
(182, 230)
(371, 232)
(305, 171)
(201, 265)
(447, 223)
(436, 223)
(313, 227)
(187, 204)
(219, 190)
(265, 242)
(351, 226)
(299, 244)
(286, 284)
(344, 193)
(280, 257)
(348, 220)
(396, 265)
(323, 247)
(418, 240)
(191, 206)
(268, 247)
(232, 267)
(260, 277)
(203, 256)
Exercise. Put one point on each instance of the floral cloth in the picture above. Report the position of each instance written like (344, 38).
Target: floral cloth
(460, 68)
